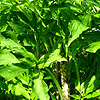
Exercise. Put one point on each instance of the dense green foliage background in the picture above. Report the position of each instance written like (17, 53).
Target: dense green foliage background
(43, 40)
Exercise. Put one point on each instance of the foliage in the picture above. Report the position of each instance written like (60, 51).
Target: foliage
(42, 40)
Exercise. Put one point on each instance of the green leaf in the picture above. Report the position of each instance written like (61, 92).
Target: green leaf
(3, 20)
(40, 89)
(83, 87)
(75, 47)
(34, 21)
(90, 89)
(16, 27)
(86, 19)
(92, 36)
(3, 84)
(75, 96)
(46, 60)
(25, 78)
(4, 28)
(92, 95)
(11, 71)
(16, 48)
(76, 28)
(97, 20)
(20, 90)
(91, 85)
(52, 96)
(94, 2)
(93, 47)
(17, 90)
(22, 17)
(7, 58)
(92, 80)
(10, 44)
(78, 1)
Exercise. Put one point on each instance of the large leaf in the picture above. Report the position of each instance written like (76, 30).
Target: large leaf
(76, 28)
(93, 47)
(40, 88)
(7, 58)
(11, 71)
(16, 48)
(10, 44)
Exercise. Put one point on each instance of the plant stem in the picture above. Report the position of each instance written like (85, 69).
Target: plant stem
(78, 75)
(56, 82)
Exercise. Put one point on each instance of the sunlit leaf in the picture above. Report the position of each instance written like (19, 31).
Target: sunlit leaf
(86, 20)
(92, 95)
(7, 58)
(78, 1)
(76, 28)
(91, 85)
(93, 47)
(16, 48)
(45, 61)
(11, 71)
(40, 89)
(93, 2)
(20, 90)
(75, 96)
